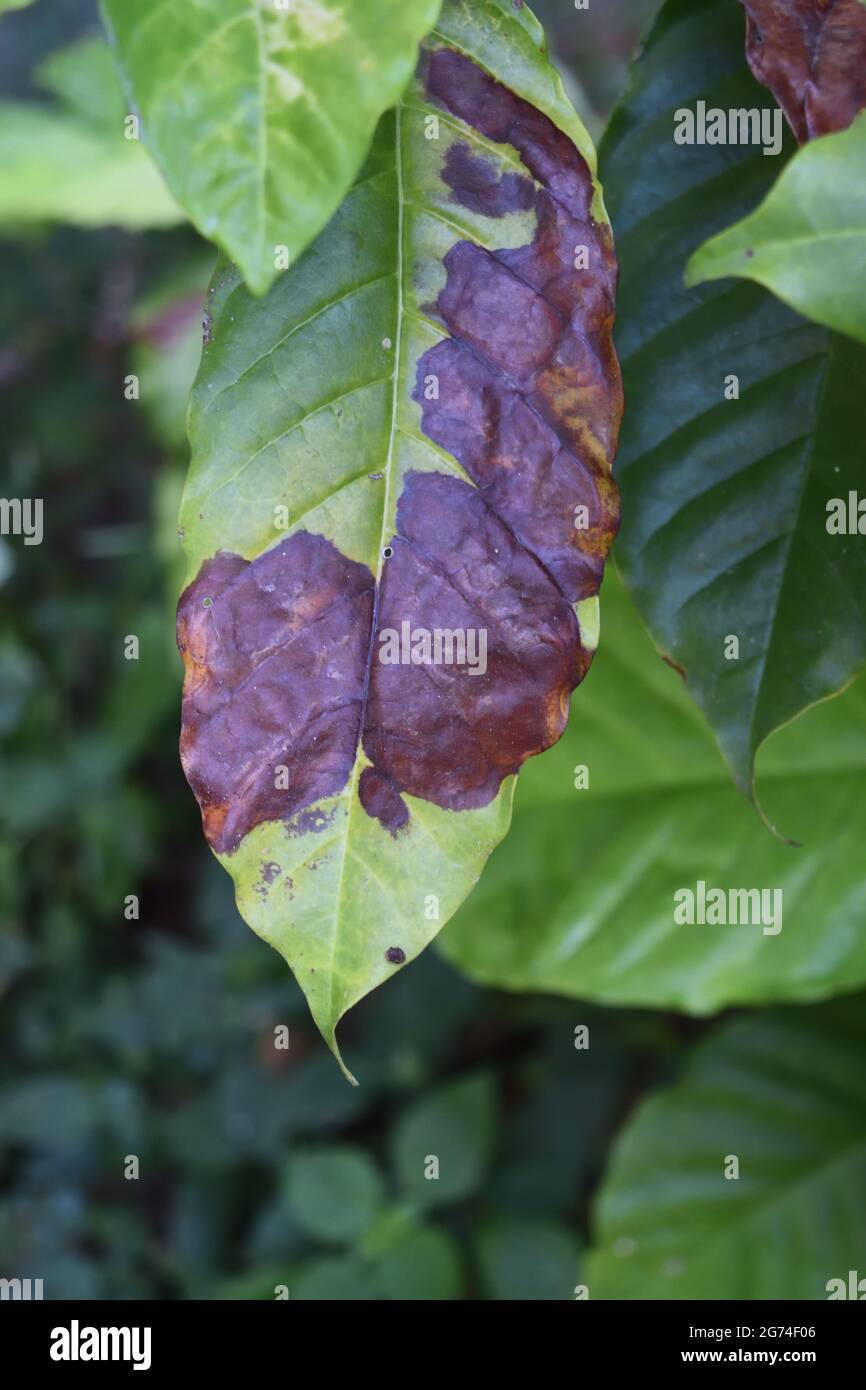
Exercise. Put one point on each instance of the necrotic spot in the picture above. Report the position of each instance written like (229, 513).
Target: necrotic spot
(477, 184)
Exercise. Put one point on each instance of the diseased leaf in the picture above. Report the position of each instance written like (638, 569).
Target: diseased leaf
(784, 1095)
(807, 240)
(725, 500)
(812, 56)
(260, 115)
(633, 805)
(429, 403)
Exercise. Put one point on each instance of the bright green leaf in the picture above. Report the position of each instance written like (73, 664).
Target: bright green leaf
(725, 501)
(260, 115)
(72, 163)
(785, 1096)
(807, 240)
(441, 1144)
(57, 168)
(334, 1192)
(580, 901)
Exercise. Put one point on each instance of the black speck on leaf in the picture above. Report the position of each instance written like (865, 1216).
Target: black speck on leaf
(395, 955)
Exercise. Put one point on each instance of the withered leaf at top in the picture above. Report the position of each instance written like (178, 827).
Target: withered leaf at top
(397, 515)
(812, 56)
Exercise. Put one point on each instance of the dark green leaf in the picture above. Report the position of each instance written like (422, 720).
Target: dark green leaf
(725, 500)
(333, 1192)
(441, 1144)
(525, 1260)
(424, 1266)
(336, 1279)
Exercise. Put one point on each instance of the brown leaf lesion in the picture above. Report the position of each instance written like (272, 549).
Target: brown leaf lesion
(812, 56)
(441, 732)
(530, 391)
(275, 652)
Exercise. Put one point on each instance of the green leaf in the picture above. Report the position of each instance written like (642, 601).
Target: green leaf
(83, 78)
(166, 331)
(255, 1284)
(807, 240)
(260, 115)
(725, 500)
(441, 1145)
(71, 163)
(58, 169)
(334, 1192)
(523, 1260)
(347, 484)
(580, 902)
(784, 1094)
(336, 1279)
(424, 1266)
(13, 5)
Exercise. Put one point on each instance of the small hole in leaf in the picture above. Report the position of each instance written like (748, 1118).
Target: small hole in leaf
(207, 603)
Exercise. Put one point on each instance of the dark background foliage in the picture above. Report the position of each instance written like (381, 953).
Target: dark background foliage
(155, 1037)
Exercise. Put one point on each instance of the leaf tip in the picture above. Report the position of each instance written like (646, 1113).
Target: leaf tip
(694, 272)
(752, 794)
(329, 1033)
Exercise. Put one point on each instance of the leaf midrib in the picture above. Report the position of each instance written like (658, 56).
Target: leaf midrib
(352, 789)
